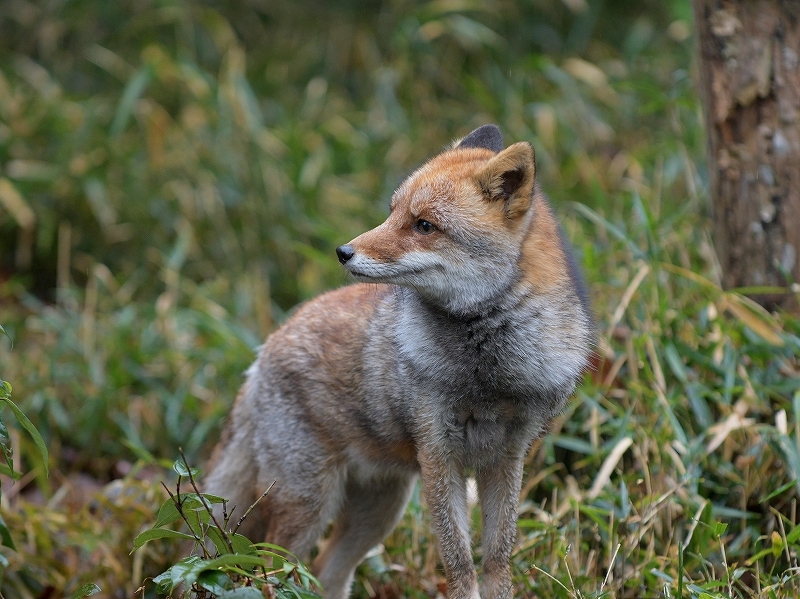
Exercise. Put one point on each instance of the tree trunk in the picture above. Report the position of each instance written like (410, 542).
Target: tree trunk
(750, 88)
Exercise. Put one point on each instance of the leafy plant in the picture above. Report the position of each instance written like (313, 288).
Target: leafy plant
(8, 450)
(229, 566)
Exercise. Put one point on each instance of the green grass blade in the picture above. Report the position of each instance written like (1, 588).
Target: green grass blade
(134, 89)
(595, 218)
(5, 535)
(28, 426)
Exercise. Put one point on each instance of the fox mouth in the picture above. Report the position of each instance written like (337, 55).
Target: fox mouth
(374, 274)
(361, 276)
(382, 273)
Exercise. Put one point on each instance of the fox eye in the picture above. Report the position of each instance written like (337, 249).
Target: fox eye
(425, 227)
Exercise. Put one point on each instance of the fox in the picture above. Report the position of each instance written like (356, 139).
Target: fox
(465, 334)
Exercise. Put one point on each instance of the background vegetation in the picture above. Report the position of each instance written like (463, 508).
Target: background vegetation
(174, 176)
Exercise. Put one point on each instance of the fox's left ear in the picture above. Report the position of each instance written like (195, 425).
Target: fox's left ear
(487, 137)
(509, 177)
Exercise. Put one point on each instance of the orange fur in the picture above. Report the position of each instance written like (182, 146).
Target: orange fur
(543, 261)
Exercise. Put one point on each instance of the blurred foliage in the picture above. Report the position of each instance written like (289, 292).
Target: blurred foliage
(250, 138)
(175, 175)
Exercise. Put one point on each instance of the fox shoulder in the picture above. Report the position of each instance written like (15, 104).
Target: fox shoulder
(547, 261)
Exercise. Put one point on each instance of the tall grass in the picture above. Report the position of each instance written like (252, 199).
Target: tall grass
(174, 177)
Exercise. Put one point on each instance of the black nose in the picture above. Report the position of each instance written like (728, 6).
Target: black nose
(345, 252)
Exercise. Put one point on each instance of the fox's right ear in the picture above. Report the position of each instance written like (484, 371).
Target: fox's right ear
(509, 177)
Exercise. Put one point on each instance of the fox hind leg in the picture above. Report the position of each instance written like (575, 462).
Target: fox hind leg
(293, 515)
(371, 509)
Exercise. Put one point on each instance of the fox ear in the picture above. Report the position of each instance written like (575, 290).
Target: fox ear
(509, 177)
(488, 137)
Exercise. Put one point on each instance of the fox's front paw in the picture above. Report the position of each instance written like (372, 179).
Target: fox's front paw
(496, 586)
(496, 593)
(465, 587)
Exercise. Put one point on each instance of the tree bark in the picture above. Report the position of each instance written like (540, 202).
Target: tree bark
(749, 53)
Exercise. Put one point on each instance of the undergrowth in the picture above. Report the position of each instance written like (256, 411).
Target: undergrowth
(175, 176)
(223, 563)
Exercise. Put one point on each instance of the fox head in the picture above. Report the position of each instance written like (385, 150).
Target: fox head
(456, 227)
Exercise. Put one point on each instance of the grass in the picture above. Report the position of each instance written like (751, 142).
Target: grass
(189, 169)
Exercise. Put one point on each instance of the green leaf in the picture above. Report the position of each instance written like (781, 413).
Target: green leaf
(180, 467)
(778, 491)
(4, 437)
(232, 560)
(184, 572)
(219, 542)
(241, 544)
(28, 426)
(8, 451)
(242, 593)
(215, 581)
(660, 574)
(675, 363)
(531, 523)
(168, 512)
(696, 589)
(5, 535)
(289, 590)
(763, 553)
(719, 529)
(158, 533)
(197, 520)
(188, 570)
(3, 331)
(134, 89)
(574, 444)
(86, 590)
(793, 535)
(8, 472)
(738, 573)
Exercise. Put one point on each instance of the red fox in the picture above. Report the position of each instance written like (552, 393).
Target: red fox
(466, 335)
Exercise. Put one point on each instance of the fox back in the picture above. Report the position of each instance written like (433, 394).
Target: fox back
(467, 334)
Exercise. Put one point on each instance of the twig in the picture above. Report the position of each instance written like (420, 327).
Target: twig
(204, 502)
(556, 580)
(229, 517)
(250, 509)
(179, 505)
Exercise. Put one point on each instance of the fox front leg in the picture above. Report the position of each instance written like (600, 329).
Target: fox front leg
(498, 490)
(444, 487)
